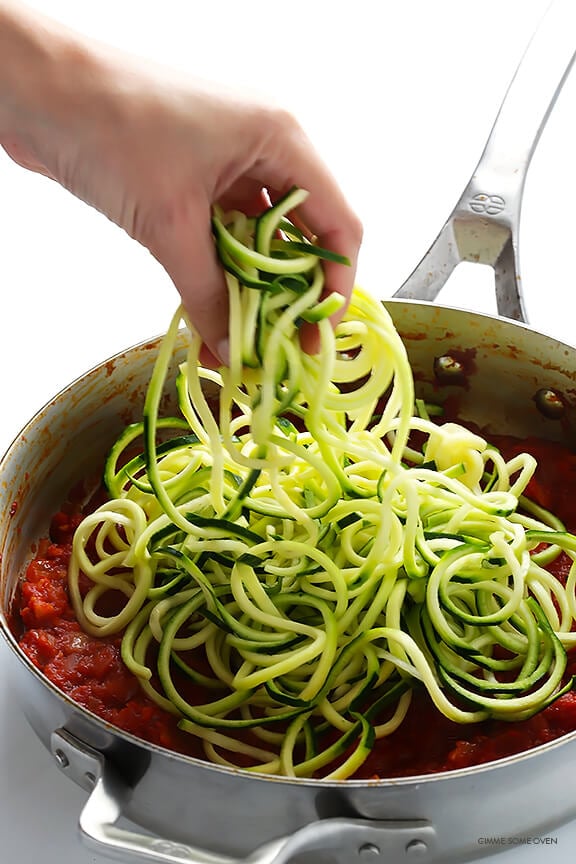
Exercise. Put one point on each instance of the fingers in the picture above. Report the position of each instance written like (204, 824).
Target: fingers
(280, 157)
(309, 338)
(183, 244)
(324, 214)
(246, 195)
(294, 162)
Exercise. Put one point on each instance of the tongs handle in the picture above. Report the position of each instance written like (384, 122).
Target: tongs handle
(484, 225)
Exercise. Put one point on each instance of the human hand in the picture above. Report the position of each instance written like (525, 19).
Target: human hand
(154, 152)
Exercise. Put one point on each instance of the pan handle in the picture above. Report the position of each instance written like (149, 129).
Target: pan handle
(348, 840)
(484, 225)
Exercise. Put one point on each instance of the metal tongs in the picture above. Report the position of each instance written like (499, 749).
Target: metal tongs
(483, 227)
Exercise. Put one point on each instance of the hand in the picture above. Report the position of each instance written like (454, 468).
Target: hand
(154, 152)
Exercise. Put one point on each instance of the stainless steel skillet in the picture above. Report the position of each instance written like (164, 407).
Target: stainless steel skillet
(205, 814)
(483, 227)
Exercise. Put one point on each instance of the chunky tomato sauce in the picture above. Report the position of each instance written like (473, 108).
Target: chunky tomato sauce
(90, 671)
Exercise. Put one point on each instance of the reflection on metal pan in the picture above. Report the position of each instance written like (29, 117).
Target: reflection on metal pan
(504, 376)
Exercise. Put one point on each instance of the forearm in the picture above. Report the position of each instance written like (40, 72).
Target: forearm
(155, 151)
(29, 58)
(44, 70)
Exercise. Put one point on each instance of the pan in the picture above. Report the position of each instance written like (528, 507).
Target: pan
(185, 810)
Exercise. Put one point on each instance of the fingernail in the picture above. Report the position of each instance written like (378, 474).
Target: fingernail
(223, 351)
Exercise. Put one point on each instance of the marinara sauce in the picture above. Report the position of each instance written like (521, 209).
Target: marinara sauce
(90, 670)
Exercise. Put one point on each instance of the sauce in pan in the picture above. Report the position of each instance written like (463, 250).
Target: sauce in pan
(91, 672)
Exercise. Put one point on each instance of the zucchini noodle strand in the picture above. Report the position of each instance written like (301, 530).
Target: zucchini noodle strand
(306, 545)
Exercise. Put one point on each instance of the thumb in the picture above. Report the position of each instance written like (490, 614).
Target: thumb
(183, 244)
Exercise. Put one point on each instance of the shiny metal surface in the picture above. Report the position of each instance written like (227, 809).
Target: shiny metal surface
(347, 840)
(178, 799)
(484, 226)
(505, 365)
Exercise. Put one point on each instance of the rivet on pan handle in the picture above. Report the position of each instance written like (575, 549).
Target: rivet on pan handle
(483, 228)
(347, 840)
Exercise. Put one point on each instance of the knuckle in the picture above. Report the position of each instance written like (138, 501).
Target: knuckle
(355, 228)
(282, 124)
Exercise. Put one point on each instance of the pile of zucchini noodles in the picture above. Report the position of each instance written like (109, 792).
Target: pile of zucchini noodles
(289, 548)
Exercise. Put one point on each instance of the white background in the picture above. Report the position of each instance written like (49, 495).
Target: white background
(399, 97)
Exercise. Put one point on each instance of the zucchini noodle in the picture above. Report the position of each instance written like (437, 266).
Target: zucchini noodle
(307, 546)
